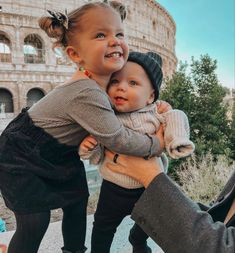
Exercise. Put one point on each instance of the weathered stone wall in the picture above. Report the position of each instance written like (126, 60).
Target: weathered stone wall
(149, 27)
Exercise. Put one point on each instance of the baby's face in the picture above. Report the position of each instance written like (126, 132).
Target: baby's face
(130, 88)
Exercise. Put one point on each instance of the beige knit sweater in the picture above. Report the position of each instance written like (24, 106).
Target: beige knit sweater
(147, 120)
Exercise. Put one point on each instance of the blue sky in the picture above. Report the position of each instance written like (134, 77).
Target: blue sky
(206, 27)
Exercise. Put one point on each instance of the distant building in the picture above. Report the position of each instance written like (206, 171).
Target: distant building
(29, 68)
(229, 101)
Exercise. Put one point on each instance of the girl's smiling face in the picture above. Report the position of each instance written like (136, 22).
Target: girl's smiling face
(100, 45)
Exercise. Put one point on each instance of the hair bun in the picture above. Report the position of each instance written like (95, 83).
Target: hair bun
(52, 30)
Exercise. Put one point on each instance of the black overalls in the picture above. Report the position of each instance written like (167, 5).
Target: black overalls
(37, 173)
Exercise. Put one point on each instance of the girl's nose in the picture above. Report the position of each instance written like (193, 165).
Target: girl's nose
(114, 41)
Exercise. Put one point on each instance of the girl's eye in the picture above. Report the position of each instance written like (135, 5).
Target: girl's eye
(100, 36)
(133, 83)
(120, 35)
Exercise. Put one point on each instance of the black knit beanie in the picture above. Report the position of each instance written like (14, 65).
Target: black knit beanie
(152, 64)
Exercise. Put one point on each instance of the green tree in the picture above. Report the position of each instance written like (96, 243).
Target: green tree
(232, 135)
(179, 92)
(200, 95)
(210, 123)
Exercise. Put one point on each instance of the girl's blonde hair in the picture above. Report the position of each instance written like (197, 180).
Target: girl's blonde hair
(62, 27)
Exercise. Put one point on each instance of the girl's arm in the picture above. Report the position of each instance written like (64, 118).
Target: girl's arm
(93, 111)
(90, 150)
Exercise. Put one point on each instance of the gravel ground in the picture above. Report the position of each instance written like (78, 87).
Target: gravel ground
(7, 215)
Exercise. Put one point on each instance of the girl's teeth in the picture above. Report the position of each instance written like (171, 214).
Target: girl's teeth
(116, 55)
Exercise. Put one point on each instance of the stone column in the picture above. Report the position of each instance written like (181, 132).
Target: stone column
(19, 49)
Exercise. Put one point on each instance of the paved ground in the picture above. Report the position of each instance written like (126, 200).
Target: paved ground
(53, 241)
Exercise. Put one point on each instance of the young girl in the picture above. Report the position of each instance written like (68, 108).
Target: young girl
(39, 166)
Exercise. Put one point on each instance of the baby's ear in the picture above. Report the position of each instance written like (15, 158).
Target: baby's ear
(73, 54)
(151, 98)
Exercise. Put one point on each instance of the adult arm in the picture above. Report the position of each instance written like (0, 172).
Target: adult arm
(169, 217)
(177, 224)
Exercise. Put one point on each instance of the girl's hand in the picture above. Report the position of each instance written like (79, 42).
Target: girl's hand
(88, 144)
(138, 168)
(163, 106)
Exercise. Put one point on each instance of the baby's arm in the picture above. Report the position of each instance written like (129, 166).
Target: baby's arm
(90, 150)
(176, 130)
(176, 134)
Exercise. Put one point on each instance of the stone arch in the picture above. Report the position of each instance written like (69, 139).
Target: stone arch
(6, 101)
(5, 48)
(34, 51)
(34, 95)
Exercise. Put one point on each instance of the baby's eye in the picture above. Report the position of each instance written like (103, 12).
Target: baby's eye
(113, 81)
(133, 83)
(100, 35)
(120, 35)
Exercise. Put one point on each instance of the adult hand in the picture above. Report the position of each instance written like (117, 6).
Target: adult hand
(160, 136)
(138, 168)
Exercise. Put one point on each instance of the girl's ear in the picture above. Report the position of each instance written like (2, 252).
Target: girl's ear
(73, 54)
(151, 98)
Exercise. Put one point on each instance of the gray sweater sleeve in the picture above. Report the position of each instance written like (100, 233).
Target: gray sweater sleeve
(92, 110)
(177, 224)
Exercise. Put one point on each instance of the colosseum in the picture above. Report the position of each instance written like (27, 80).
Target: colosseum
(29, 68)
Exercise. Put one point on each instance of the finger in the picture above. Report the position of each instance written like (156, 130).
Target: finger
(161, 128)
(168, 107)
(115, 168)
(119, 160)
(163, 106)
(109, 154)
(161, 132)
(160, 107)
(92, 140)
(83, 149)
(89, 145)
(158, 104)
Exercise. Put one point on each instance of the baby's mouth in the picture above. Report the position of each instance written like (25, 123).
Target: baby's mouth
(120, 99)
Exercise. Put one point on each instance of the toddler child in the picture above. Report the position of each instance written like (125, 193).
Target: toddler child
(39, 166)
(133, 91)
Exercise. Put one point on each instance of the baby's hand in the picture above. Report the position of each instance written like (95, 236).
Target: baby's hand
(163, 106)
(88, 144)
